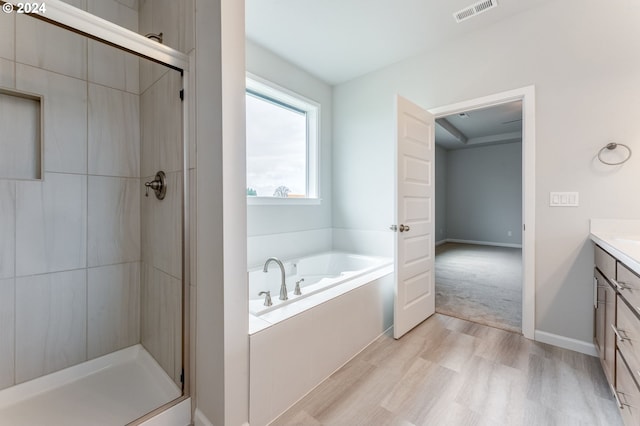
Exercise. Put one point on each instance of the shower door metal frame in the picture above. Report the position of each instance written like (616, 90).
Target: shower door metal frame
(78, 21)
(71, 18)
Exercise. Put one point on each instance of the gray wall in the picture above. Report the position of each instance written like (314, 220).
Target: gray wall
(484, 194)
(582, 75)
(441, 193)
(276, 219)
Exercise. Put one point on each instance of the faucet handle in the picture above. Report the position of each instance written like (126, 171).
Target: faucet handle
(297, 291)
(267, 297)
(158, 184)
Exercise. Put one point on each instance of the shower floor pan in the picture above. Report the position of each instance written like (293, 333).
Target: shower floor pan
(114, 389)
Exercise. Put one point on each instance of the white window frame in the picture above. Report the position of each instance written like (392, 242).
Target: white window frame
(273, 91)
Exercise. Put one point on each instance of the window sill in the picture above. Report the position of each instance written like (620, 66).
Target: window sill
(274, 201)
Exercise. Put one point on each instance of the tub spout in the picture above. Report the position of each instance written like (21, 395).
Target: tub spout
(283, 285)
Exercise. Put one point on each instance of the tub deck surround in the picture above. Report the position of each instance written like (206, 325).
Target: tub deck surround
(619, 237)
(346, 303)
(326, 276)
(296, 347)
(313, 273)
(114, 389)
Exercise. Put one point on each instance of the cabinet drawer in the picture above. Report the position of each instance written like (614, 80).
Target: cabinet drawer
(627, 394)
(628, 338)
(629, 286)
(605, 262)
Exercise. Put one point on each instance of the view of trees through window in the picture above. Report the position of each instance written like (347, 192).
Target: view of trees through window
(276, 149)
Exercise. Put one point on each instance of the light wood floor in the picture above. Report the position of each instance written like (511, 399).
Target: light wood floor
(449, 371)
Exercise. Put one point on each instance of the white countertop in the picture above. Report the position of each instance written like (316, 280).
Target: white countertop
(621, 238)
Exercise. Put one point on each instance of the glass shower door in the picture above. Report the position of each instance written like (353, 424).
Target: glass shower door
(91, 261)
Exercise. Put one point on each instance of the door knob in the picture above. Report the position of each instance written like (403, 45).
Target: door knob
(404, 228)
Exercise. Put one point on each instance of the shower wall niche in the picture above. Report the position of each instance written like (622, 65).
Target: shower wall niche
(88, 264)
(21, 142)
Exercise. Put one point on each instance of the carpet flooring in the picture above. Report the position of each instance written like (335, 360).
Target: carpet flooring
(482, 284)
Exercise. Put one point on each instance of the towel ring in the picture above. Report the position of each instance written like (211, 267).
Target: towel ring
(610, 147)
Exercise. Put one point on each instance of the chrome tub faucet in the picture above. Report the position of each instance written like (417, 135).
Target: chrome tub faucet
(283, 285)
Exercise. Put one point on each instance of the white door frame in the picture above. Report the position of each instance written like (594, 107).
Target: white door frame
(527, 96)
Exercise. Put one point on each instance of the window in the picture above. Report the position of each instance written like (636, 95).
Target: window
(282, 144)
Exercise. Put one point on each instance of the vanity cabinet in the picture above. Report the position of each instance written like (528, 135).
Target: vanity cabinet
(627, 394)
(600, 306)
(617, 331)
(629, 284)
(605, 311)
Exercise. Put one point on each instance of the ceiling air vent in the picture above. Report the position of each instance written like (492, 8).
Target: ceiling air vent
(474, 9)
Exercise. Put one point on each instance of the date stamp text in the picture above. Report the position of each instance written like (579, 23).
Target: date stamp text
(25, 8)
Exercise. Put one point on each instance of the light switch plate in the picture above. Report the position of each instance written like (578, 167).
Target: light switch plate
(564, 199)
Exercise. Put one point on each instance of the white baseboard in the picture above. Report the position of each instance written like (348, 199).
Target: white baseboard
(480, 243)
(581, 346)
(200, 419)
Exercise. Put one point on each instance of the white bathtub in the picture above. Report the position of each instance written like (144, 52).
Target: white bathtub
(346, 303)
(316, 273)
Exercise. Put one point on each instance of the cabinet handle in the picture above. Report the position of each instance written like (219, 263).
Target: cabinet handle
(617, 332)
(620, 285)
(615, 395)
(620, 404)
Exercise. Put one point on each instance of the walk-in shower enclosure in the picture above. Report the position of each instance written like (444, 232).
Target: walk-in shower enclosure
(92, 277)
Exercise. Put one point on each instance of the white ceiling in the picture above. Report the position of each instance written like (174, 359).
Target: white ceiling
(338, 40)
(488, 126)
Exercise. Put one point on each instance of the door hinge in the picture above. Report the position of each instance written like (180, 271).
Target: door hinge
(182, 94)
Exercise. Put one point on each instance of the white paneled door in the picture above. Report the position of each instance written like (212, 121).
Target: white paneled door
(415, 191)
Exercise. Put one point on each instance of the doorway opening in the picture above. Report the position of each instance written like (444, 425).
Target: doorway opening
(478, 257)
(484, 210)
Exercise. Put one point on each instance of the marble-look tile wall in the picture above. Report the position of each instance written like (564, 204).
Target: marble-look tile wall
(161, 282)
(161, 131)
(70, 244)
(161, 149)
(50, 322)
(7, 331)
